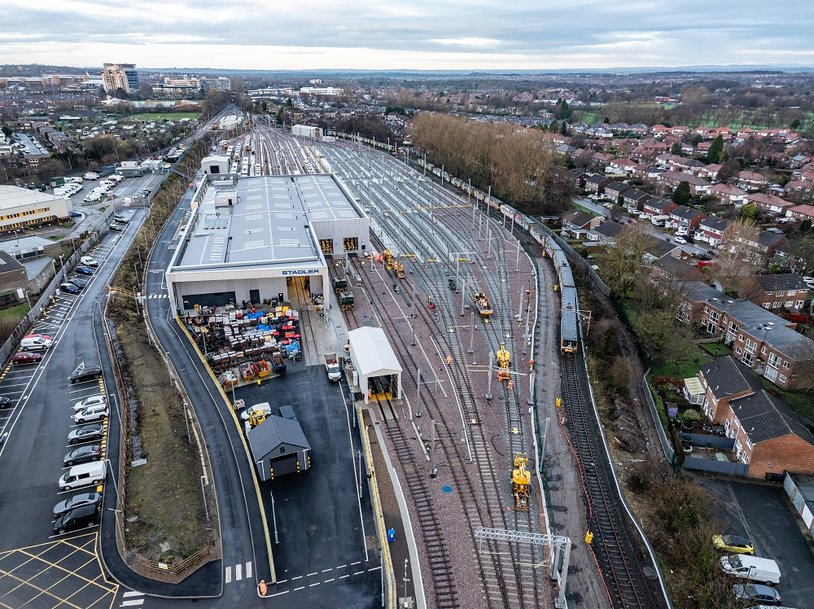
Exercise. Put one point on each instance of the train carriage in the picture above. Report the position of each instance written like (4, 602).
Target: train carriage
(569, 326)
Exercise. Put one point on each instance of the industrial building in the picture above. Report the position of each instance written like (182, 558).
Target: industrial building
(376, 369)
(253, 239)
(306, 131)
(21, 207)
(279, 447)
(120, 76)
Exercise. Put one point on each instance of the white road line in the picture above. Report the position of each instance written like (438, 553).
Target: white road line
(358, 562)
(278, 593)
(228, 575)
(329, 580)
(314, 584)
(132, 593)
(374, 568)
(132, 603)
(342, 566)
(310, 574)
(327, 570)
(300, 588)
(358, 572)
(249, 570)
(344, 576)
(238, 572)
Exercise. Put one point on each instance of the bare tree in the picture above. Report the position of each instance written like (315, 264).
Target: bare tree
(738, 258)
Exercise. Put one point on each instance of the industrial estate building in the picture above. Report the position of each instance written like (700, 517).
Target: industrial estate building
(251, 239)
(120, 76)
(306, 131)
(21, 207)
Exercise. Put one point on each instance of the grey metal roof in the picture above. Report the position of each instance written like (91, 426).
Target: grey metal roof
(268, 224)
(725, 376)
(274, 431)
(763, 417)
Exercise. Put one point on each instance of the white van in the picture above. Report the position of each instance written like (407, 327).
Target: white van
(83, 475)
(751, 568)
(35, 343)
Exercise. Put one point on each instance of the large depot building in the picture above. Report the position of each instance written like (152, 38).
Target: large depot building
(254, 239)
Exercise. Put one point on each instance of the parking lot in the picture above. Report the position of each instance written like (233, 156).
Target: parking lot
(764, 514)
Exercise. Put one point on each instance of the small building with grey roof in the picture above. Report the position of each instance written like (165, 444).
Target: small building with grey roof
(254, 238)
(279, 447)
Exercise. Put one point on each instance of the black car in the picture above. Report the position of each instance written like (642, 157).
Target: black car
(69, 288)
(94, 431)
(82, 454)
(78, 282)
(78, 518)
(84, 270)
(77, 501)
(5, 402)
(116, 227)
(85, 373)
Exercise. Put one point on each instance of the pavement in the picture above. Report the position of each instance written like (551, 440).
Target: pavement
(764, 513)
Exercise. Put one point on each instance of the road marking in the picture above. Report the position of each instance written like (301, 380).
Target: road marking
(249, 570)
(329, 580)
(358, 572)
(314, 584)
(300, 588)
(344, 576)
(358, 562)
(132, 593)
(132, 603)
(326, 570)
(297, 577)
(238, 572)
(228, 575)
(310, 574)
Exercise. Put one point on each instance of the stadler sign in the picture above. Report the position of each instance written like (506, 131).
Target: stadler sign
(301, 272)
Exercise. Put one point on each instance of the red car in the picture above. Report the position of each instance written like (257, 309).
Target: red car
(26, 357)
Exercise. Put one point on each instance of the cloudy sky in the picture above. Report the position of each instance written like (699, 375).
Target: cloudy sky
(408, 34)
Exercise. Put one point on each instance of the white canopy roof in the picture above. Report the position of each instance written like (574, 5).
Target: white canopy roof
(372, 353)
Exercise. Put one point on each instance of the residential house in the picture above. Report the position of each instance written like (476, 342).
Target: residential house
(713, 230)
(698, 186)
(579, 223)
(762, 244)
(799, 189)
(751, 181)
(658, 249)
(770, 204)
(633, 199)
(658, 207)
(728, 194)
(768, 435)
(621, 167)
(685, 220)
(577, 178)
(761, 340)
(801, 212)
(614, 190)
(709, 171)
(606, 232)
(782, 290)
(596, 183)
(672, 269)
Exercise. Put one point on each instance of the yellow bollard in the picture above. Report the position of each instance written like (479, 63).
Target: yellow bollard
(589, 537)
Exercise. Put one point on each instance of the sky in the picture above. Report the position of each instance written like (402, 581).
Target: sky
(408, 34)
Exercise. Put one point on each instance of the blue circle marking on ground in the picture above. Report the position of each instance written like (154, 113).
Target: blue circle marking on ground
(446, 488)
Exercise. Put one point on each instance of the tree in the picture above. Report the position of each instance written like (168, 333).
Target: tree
(749, 211)
(682, 195)
(675, 148)
(737, 259)
(729, 168)
(716, 150)
(622, 264)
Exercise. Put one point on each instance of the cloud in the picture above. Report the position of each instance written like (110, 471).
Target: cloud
(381, 34)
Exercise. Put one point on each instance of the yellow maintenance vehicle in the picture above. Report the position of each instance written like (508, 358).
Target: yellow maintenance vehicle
(521, 483)
(504, 362)
(389, 261)
(256, 417)
(482, 302)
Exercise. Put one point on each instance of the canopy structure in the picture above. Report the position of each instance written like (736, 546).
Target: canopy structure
(374, 361)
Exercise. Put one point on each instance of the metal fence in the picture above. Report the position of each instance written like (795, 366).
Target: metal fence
(666, 446)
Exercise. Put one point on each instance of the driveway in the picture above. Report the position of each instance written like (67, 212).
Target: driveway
(764, 513)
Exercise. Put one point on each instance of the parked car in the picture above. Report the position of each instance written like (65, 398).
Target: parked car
(75, 214)
(809, 281)
(79, 282)
(116, 227)
(89, 261)
(84, 270)
(94, 400)
(91, 413)
(35, 343)
(82, 454)
(26, 357)
(120, 219)
(86, 433)
(77, 501)
(85, 373)
(757, 593)
(733, 543)
(69, 288)
(6, 402)
(78, 518)
(680, 240)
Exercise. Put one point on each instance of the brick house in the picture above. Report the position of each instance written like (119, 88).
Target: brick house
(762, 246)
(685, 219)
(672, 269)
(801, 212)
(768, 435)
(658, 207)
(698, 186)
(770, 204)
(751, 181)
(614, 190)
(760, 339)
(633, 199)
(728, 194)
(713, 230)
(596, 183)
(782, 290)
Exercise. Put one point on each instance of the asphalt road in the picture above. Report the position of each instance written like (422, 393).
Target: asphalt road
(764, 514)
